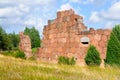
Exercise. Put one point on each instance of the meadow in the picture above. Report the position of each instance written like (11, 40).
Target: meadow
(19, 69)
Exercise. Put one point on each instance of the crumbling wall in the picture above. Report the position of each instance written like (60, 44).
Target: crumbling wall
(68, 36)
(25, 44)
(57, 35)
(98, 38)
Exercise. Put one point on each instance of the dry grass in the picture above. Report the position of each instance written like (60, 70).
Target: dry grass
(17, 69)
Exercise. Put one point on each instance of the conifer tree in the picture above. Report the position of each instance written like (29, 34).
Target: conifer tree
(116, 31)
(93, 56)
(113, 49)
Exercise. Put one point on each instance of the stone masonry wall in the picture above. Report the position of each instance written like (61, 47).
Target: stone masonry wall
(25, 45)
(68, 36)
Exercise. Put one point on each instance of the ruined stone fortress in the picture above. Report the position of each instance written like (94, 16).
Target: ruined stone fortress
(68, 36)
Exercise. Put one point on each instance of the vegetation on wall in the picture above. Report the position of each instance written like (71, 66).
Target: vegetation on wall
(93, 56)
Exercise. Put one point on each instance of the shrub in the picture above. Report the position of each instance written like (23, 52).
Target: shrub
(62, 60)
(66, 60)
(20, 54)
(34, 50)
(9, 53)
(16, 54)
(93, 56)
(72, 61)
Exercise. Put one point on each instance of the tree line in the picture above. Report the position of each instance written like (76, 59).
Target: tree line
(10, 41)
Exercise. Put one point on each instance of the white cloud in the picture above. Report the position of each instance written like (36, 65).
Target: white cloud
(33, 21)
(113, 13)
(95, 2)
(14, 11)
(114, 1)
(95, 17)
(109, 25)
(23, 8)
(65, 7)
(75, 1)
(40, 26)
(110, 17)
(9, 12)
(39, 23)
(13, 8)
(21, 13)
(27, 2)
(30, 21)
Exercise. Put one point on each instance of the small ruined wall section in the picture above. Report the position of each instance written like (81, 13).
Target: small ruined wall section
(58, 33)
(99, 38)
(25, 44)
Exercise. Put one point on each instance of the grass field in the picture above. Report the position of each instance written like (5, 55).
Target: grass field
(18, 69)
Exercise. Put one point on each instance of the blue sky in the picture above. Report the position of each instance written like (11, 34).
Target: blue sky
(15, 15)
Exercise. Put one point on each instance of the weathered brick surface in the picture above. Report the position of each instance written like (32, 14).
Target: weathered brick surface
(62, 37)
(25, 45)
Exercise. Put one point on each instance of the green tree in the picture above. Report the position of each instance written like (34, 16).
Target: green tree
(1, 36)
(93, 56)
(34, 36)
(116, 31)
(14, 39)
(5, 42)
(2, 31)
(113, 50)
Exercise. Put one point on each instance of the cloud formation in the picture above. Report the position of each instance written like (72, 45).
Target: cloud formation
(65, 7)
(111, 16)
(23, 13)
(95, 2)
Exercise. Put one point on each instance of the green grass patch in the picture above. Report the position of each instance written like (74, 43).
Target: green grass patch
(34, 50)
(16, 54)
(19, 69)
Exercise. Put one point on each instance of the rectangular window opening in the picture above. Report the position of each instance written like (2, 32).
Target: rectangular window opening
(84, 42)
